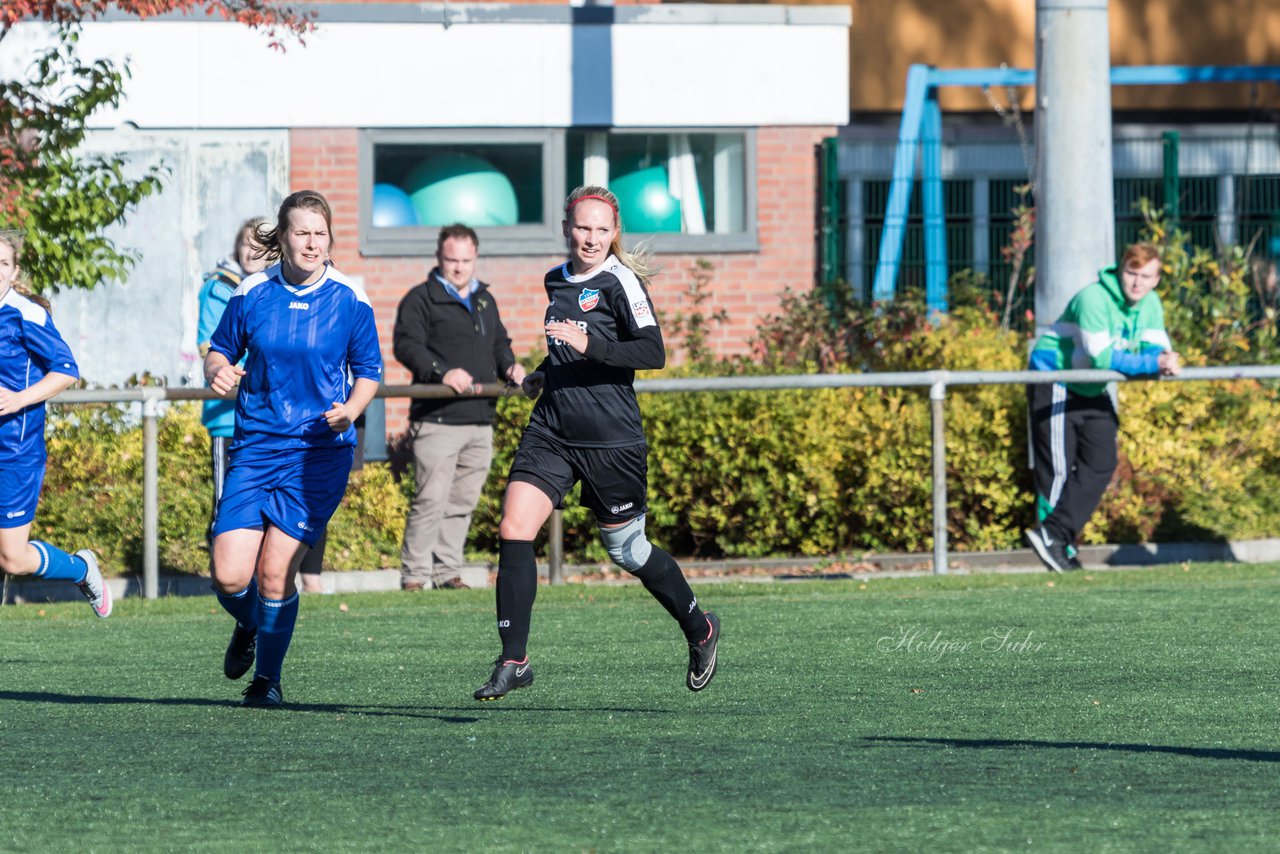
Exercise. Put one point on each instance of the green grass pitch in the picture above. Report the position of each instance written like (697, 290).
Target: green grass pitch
(1096, 711)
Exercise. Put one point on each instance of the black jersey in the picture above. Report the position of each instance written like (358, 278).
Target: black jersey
(588, 400)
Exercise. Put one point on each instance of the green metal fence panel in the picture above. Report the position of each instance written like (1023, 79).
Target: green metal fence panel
(1219, 190)
(1259, 204)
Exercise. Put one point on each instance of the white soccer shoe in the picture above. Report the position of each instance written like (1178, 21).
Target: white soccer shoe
(94, 587)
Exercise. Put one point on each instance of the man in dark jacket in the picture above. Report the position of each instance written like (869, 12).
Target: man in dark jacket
(448, 332)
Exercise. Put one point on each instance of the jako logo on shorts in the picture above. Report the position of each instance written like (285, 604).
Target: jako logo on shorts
(588, 299)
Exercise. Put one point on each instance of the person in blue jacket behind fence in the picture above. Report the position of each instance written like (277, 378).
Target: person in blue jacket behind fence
(219, 416)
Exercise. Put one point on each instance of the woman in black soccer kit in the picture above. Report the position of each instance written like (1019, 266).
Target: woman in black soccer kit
(586, 427)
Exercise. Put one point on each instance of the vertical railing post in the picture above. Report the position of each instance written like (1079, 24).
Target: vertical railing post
(1172, 180)
(150, 496)
(829, 180)
(555, 548)
(937, 402)
(898, 208)
(935, 216)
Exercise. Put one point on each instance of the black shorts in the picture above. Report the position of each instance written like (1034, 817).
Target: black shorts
(614, 480)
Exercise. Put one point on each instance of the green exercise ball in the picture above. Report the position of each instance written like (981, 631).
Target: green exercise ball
(643, 200)
(451, 188)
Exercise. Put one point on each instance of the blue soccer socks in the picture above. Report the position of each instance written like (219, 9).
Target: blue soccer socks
(55, 563)
(243, 605)
(276, 619)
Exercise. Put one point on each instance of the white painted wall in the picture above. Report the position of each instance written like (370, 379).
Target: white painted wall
(730, 75)
(200, 74)
(148, 322)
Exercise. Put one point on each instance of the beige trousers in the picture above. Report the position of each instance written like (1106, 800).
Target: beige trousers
(451, 463)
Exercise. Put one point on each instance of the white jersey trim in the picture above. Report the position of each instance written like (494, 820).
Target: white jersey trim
(261, 277)
(637, 301)
(569, 277)
(31, 312)
(338, 277)
(332, 274)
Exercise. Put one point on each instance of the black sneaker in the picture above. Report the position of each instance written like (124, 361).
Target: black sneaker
(702, 657)
(262, 693)
(1073, 563)
(240, 652)
(1052, 553)
(507, 677)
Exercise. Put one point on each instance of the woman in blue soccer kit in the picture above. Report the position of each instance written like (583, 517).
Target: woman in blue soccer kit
(305, 328)
(586, 428)
(35, 364)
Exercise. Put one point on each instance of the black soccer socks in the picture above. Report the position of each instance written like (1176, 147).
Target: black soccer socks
(517, 586)
(662, 577)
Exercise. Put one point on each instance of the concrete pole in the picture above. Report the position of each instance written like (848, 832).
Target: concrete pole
(1075, 204)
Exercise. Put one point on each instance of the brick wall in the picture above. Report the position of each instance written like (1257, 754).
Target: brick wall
(747, 284)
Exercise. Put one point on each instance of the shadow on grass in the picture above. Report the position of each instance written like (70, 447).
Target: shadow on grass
(1003, 744)
(428, 712)
(327, 708)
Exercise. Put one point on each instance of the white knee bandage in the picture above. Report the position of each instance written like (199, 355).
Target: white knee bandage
(628, 547)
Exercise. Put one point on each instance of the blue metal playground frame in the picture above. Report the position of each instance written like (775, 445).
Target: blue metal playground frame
(922, 122)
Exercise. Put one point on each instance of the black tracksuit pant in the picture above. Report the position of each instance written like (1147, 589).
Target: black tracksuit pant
(1073, 455)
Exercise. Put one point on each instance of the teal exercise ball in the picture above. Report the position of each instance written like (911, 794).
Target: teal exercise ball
(392, 207)
(643, 200)
(451, 188)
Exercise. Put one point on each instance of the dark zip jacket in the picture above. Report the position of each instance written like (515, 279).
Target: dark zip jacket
(435, 333)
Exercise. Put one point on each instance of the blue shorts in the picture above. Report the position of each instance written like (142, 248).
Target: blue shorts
(19, 494)
(295, 490)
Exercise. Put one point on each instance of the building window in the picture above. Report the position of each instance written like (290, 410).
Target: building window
(484, 186)
(686, 190)
(666, 183)
(414, 182)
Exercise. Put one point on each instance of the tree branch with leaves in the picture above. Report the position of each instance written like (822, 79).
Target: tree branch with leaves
(63, 199)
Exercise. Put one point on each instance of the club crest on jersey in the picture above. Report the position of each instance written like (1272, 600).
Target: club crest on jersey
(588, 299)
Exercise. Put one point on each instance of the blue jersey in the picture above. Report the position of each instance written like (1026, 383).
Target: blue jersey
(30, 347)
(304, 345)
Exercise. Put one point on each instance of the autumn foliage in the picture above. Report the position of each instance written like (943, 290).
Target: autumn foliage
(259, 14)
(65, 200)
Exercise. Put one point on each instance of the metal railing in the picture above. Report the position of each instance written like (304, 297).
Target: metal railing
(936, 381)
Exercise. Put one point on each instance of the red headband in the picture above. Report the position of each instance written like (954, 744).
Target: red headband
(569, 206)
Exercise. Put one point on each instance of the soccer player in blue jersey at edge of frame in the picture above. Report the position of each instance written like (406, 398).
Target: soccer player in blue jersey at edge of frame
(35, 364)
(305, 327)
(586, 427)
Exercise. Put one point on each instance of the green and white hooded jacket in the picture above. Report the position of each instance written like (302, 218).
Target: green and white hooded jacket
(1100, 330)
